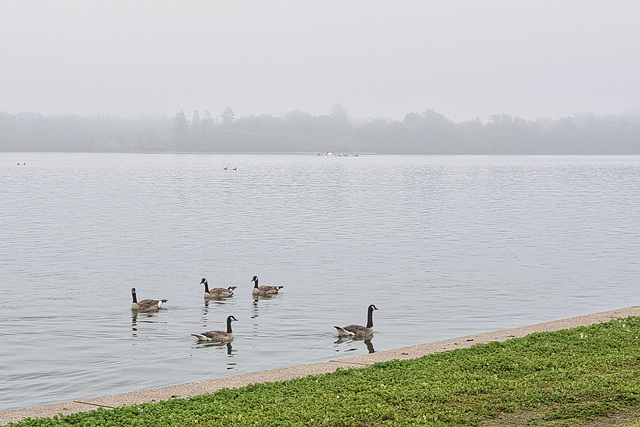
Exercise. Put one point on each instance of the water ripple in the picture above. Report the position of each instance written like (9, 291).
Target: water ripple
(444, 246)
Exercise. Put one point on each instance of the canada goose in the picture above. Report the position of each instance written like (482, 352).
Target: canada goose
(357, 330)
(145, 304)
(216, 293)
(264, 290)
(218, 335)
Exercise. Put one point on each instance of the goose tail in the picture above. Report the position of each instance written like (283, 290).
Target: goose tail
(343, 332)
(200, 337)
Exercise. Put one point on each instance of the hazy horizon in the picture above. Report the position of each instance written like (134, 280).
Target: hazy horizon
(378, 59)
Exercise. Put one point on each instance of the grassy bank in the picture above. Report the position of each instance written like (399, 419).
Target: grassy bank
(557, 378)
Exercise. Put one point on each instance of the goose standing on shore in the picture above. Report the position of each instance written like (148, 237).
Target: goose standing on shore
(358, 331)
(261, 291)
(220, 336)
(216, 293)
(146, 304)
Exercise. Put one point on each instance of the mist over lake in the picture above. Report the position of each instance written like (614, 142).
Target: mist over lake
(444, 246)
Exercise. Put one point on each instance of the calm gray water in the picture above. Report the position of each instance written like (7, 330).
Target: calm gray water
(444, 246)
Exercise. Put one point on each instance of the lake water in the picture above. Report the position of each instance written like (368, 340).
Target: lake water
(445, 246)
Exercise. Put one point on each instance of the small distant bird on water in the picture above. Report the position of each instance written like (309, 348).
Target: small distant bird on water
(264, 290)
(225, 168)
(218, 335)
(145, 305)
(358, 331)
(235, 168)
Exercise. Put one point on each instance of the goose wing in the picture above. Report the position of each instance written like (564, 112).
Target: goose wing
(269, 289)
(220, 292)
(214, 336)
(149, 304)
(354, 330)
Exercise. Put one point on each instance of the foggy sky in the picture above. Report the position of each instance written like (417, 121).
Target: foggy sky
(464, 59)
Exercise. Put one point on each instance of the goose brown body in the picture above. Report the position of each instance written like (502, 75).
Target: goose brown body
(145, 305)
(264, 290)
(359, 331)
(218, 335)
(216, 293)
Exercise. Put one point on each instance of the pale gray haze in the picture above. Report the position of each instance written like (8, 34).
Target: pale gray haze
(463, 59)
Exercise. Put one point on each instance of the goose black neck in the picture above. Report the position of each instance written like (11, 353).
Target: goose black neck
(229, 325)
(256, 285)
(133, 294)
(370, 318)
(206, 286)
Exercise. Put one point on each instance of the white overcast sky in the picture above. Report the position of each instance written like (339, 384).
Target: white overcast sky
(464, 59)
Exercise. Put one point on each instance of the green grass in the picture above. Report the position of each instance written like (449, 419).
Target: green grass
(558, 378)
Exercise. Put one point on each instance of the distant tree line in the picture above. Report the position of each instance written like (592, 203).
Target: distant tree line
(297, 131)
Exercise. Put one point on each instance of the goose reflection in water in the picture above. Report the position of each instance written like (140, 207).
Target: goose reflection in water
(256, 298)
(205, 307)
(134, 323)
(367, 343)
(254, 309)
(215, 301)
(144, 318)
(227, 345)
(264, 297)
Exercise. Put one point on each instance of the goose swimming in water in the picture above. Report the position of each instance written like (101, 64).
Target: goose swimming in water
(218, 335)
(264, 290)
(216, 293)
(146, 304)
(358, 331)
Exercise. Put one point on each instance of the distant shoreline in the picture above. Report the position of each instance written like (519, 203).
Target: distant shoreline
(427, 133)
